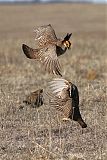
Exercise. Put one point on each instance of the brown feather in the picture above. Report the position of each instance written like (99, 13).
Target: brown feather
(35, 98)
(29, 52)
(64, 96)
(48, 45)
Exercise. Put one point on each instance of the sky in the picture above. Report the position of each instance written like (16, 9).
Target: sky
(95, 1)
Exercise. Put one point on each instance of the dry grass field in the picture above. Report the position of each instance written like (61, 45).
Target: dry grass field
(28, 133)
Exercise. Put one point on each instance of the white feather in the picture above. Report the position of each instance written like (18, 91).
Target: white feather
(57, 85)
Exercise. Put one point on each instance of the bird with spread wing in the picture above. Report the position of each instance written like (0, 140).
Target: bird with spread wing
(49, 48)
(64, 96)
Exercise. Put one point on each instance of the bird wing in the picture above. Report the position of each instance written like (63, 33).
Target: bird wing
(44, 35)
(57, 85)
(59, 96)
(50, 60)
(46, 55)
(30, 52)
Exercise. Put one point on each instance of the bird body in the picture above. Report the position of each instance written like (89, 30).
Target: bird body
(65, 98)
(49, 47)
(35, 98)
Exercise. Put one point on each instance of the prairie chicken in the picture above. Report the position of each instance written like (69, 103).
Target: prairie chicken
(35, 99)
(49, 48)
(64, 97)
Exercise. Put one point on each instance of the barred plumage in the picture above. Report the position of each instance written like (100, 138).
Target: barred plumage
(49, 47)
(64, 97)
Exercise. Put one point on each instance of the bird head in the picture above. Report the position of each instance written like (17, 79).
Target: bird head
(67, 44)
(66, 41)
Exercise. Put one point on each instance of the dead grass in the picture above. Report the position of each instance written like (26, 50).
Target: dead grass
(38, 134)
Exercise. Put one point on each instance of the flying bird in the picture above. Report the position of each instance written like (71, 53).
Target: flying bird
(35, 98)
(49, 47)
(64, 96)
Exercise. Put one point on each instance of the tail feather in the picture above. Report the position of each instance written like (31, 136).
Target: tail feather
(82, 123)
(75, 103)
(77, 117)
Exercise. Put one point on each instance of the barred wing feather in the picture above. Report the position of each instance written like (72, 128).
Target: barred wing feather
(44, 35)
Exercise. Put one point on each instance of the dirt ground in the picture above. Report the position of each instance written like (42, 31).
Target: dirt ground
(28, 133)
